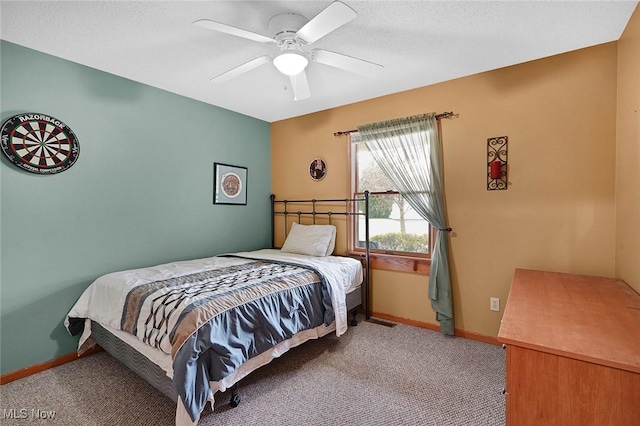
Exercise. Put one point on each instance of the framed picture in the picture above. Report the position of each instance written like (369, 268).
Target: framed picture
(230, 184)
(317, 169)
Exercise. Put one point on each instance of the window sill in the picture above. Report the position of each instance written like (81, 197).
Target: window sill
(390, 262)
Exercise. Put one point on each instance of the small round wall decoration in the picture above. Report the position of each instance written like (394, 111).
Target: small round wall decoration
(231, 185)
(317, 169)
(39, 143)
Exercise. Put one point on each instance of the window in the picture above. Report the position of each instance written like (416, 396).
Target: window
(394, 227)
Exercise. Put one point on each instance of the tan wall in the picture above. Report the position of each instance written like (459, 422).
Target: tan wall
(628, 155)
(558, 213)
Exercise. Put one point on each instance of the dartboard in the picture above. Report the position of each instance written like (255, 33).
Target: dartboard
(39, 143)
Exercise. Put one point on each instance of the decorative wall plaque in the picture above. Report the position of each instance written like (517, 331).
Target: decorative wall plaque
(317, 169)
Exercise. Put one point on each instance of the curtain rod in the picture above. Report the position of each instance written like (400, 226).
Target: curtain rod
(447, 114)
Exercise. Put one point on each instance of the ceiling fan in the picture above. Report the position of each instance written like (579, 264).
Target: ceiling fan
(292, 34)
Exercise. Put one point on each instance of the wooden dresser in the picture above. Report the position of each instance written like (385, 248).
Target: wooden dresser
(573, 350)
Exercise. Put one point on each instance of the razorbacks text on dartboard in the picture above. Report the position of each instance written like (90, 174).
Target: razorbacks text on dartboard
(39, 143)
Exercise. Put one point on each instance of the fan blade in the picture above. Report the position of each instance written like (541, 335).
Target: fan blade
(300, 86)
(348, 63)
(241, 69)
(334, 16)
(228, 29)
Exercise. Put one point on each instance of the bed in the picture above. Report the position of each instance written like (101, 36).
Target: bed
(194, 328)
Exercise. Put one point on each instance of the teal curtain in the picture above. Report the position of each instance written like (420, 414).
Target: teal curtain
(408, 151)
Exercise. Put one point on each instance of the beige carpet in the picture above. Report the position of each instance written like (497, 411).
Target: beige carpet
(373, 375)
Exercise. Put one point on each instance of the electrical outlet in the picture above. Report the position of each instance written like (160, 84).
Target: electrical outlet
(494, 304)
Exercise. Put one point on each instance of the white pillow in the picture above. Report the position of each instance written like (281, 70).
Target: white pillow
(312, 240)
(332, 242)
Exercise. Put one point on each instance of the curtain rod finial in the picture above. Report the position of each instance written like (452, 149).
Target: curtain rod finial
(449, 115)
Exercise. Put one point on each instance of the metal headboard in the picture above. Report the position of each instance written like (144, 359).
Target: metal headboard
(325, 208)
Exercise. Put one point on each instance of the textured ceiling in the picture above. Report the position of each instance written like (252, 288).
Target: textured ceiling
(418, 42)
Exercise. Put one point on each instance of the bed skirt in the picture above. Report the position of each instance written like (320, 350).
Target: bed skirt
(134, 360)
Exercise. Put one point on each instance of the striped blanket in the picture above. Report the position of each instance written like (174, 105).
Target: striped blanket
(164, 313)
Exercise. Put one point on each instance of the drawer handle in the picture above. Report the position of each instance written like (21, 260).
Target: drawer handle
(504, 391)
(504, 346)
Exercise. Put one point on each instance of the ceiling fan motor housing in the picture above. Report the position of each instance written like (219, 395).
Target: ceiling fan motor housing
(284, 26)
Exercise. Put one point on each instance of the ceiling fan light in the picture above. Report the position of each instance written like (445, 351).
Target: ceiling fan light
(290, 63)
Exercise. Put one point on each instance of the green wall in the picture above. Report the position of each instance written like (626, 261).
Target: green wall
(140, 193)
